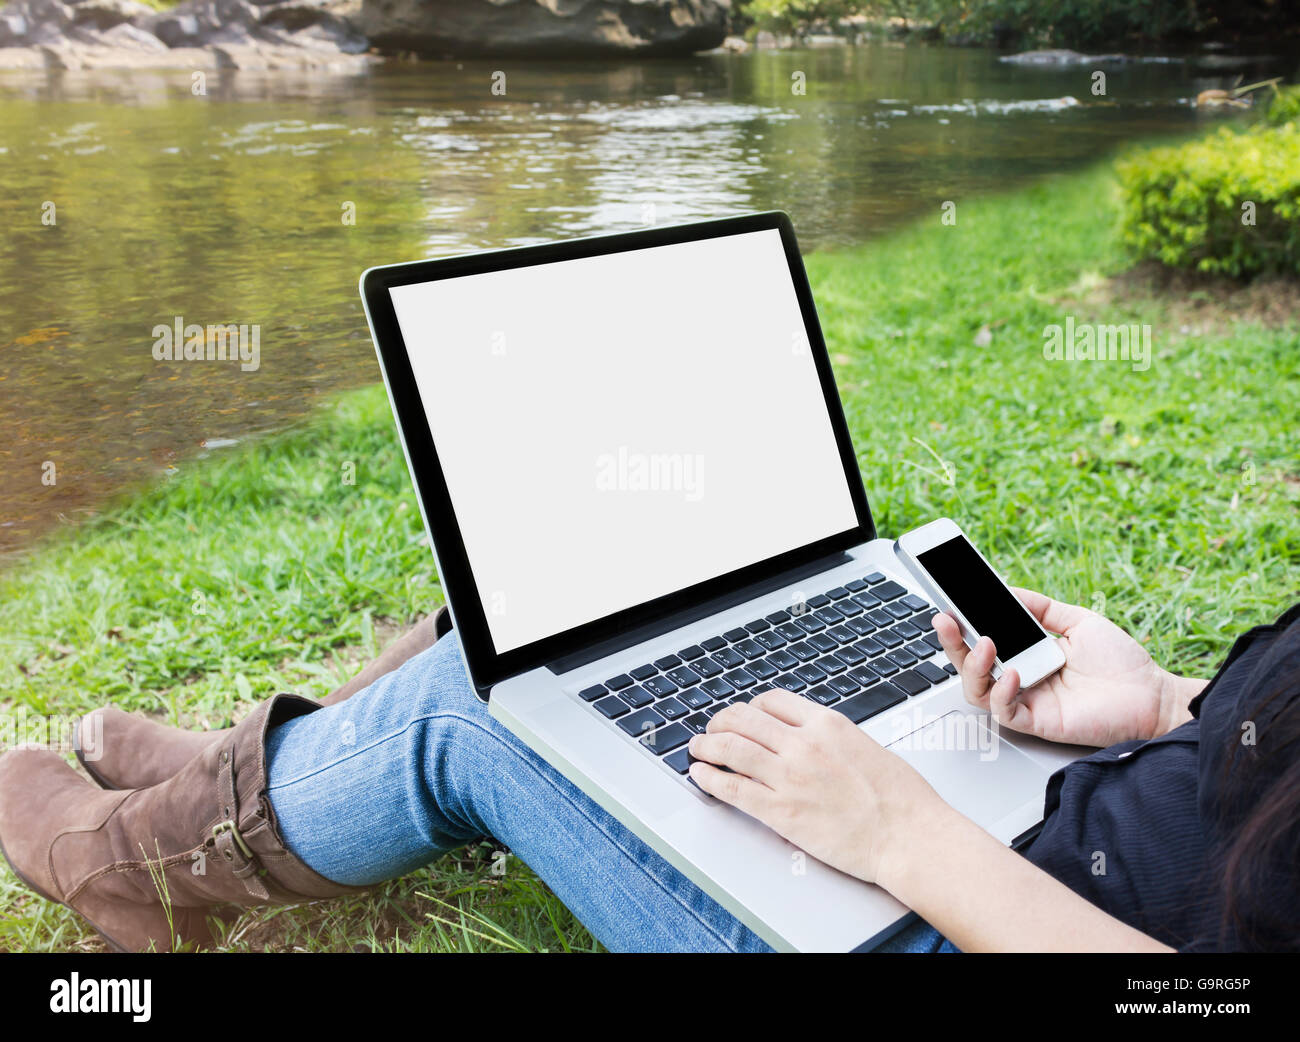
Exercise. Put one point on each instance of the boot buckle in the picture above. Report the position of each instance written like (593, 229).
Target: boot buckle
(229, 826)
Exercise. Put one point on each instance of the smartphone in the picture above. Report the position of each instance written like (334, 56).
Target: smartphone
(962, 582)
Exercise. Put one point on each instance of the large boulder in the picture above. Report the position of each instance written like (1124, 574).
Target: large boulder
(550, 28)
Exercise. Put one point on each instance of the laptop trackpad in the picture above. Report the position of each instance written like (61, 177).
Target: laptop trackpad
(974, 770)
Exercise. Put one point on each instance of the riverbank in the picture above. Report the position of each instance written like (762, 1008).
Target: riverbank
(1165, 496)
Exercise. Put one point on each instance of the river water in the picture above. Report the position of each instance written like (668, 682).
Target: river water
(129, 201)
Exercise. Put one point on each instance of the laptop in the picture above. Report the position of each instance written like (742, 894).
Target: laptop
(644, 504)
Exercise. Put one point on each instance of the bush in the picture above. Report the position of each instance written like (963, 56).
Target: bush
(1284, 107)
(1228, 204)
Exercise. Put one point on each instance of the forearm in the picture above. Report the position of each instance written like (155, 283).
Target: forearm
(983, 896)
(1176, 694)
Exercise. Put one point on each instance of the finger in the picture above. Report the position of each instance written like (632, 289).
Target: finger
(976, 672)
(745, 794)
(1005, 705)
(950, 637)
(785, 706)
(1056, 616)
(728, 749)
(750, 721)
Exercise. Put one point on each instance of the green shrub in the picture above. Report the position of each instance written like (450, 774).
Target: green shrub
(1228, 204)
(1284, 107)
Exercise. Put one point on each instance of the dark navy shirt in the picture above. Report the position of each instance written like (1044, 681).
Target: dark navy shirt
(1137, 828)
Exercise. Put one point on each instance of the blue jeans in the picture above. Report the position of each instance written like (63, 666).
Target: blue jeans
(414, 766)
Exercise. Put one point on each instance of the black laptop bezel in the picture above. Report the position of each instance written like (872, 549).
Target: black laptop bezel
(487, 667)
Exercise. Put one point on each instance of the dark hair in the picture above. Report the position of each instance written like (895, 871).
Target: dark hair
(1260, 805)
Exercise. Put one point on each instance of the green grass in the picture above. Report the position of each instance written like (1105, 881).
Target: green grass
(1167, 498)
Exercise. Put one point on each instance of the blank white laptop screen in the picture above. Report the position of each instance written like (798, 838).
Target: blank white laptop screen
(614, 429)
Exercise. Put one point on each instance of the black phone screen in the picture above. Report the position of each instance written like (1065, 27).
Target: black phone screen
(991, 609)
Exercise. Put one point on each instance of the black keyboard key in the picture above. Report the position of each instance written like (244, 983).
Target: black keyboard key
(842, 634)
(713, 643)
(811, 673)
(666, 739)
(843, 685)
(680, 761)
(636, 697)
(706, 667)
(864, 676)
(820, 601)
(866, 600)
(916, 603)
(888, 638)
(782, 660)
(869, 646)
(762, 669)
(758, 626)
(887, 591)
(902, 657)
(855, 586)
(592, 693)
(748, 696)
(924, 621)
(718, 687)
(919, 648)
(873, 578)
(911, 682)
(728, 658)
(803, 652)
(881, 618)
(644, 672)
(778, 617)
(691, 653)
(823, 642)
(715, 709)
(822, 694)
(790, 682)
(870, 702)
(950, 669)
(667, 662)
(932, 672)
(612, 706)
(738, 678)
(837, 593)
(684, 676)
(737, 634)
(862, 626)
(641, 722)
(898, 610)
(906, 629)
(619, 682)
(849, 607)
(790, 631)
(660, 686)
(810, 623)
(829, 616)
(751, 649)
(771, 640)
(831, 664)
(883, 666)
(695, 698)
(697, 723)
(671, 709)
(851, 656)
(933, 640)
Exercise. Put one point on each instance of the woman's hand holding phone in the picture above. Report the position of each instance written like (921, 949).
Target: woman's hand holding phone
(1109, 690)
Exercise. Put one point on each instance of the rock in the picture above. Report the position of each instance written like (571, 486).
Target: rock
(1060, 57)
(551, 28)
(765, 41)
(313, 24)
(104, 14)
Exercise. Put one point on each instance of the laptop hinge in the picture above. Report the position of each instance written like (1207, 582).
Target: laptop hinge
(651, 630)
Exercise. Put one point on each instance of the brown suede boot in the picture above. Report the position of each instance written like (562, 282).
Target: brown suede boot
(145, 867)
(128, 751)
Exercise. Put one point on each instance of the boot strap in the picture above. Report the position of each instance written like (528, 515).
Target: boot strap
(229, 843)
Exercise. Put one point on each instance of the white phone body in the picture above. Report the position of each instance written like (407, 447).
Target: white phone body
(961, 588)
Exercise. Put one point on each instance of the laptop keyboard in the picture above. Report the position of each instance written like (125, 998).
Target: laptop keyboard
(860, 649)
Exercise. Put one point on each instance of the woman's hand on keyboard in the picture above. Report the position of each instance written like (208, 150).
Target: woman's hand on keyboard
(815, 778)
